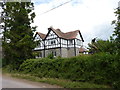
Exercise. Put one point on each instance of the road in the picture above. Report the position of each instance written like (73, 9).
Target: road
(0, 79)
(10, 82)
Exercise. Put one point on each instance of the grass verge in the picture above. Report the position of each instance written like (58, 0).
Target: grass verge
(55, 81)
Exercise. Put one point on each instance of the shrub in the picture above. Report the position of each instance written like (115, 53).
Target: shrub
(50, 56)
(102, 68)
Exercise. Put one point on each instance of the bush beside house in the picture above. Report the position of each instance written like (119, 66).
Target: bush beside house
(102, 68)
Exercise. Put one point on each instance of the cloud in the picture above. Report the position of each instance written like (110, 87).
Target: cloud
(38, 2)
(91, 17)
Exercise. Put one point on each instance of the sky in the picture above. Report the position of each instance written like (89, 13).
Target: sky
(92, 17)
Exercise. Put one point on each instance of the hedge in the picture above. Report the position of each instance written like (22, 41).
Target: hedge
(102, 68)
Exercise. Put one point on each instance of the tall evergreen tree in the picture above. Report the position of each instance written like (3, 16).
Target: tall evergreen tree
(117, 30)
(18, 33)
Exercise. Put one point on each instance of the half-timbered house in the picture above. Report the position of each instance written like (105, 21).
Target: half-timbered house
(59, 43)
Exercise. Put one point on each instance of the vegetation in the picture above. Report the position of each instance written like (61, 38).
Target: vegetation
(102, 68)
(50, 56)
(18, 34)
(0, 62)
(116, 33)
(54, 81)
(102, 46)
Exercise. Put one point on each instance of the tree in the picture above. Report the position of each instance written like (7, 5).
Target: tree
(116, 33)
(101, 46)
(18, 33)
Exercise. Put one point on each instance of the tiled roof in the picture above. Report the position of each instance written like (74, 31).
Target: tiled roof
(81, 50)
(41, 35)
(71, 35)
(58, 32)
(68, 35)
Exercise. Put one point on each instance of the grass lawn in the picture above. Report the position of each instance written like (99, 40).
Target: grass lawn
(54, 81)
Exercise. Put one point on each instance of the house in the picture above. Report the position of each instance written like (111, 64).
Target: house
(59, 43)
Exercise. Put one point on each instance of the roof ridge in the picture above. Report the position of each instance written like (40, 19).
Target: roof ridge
(40, 33)
(59, 33)
(72, 31)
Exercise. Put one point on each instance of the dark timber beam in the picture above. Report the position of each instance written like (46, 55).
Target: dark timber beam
(44, 48)
(60, 48)
(74, 48)
(67, 44)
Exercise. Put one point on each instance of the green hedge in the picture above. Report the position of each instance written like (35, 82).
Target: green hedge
(102, 68)
(0, 62)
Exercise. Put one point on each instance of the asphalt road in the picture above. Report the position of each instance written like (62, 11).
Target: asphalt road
(10, 82)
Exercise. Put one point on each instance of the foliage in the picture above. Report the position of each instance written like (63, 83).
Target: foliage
(102, 68)
(102, 46)
(18, 34)
(116, 33)
(50, 56)
(61, 82)
(0, 62)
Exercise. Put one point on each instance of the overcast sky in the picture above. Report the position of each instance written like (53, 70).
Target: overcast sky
(92, 17)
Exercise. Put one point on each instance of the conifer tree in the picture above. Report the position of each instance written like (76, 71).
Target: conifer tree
(116, 33)
(18, 33)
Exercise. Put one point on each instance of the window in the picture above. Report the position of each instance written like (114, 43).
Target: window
(53, 42)
(71, 42)
(54, 53)
(40, 55)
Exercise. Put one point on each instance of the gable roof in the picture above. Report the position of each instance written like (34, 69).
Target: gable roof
(59, 33)
(42, 36)
(71, 35)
